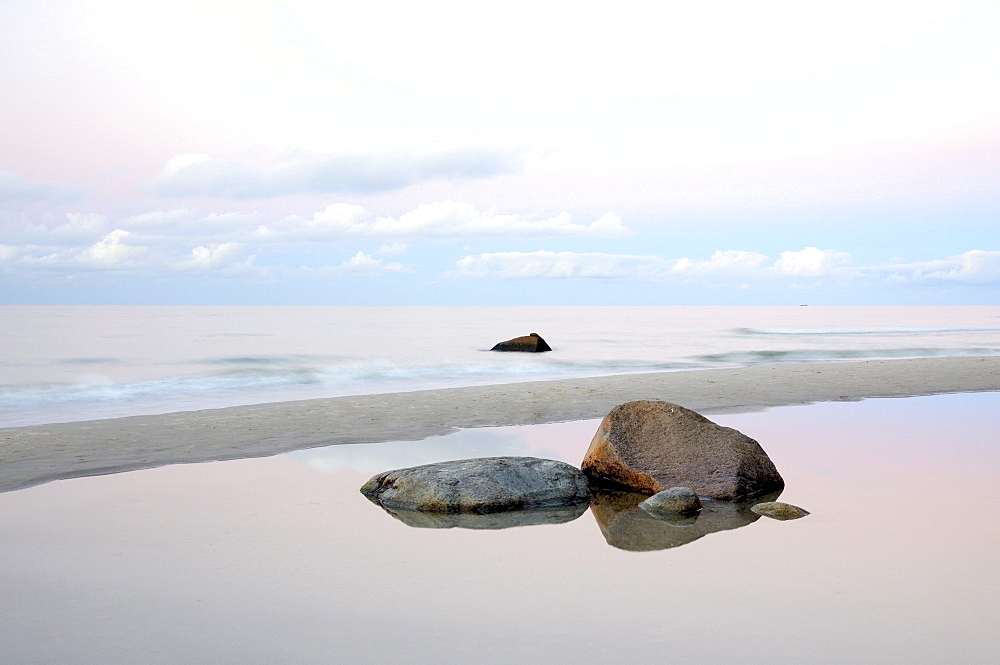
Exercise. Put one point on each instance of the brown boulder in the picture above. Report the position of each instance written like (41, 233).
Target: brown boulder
(532, 343)
(649, 446)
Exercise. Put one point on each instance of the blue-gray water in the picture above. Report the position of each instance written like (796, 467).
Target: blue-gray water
(76, 363)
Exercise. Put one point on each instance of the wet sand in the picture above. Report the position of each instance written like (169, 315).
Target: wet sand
(33, 455)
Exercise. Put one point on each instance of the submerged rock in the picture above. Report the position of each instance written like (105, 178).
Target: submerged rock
(532, 343)
(649, 446)
(673, 501)
(484, 485)
(779, 511)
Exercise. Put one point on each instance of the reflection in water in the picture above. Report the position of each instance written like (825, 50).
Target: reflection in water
(271, 561)
(628, 527)
(624, 524)
(502, 520)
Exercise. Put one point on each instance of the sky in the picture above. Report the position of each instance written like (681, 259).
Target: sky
(528, 153)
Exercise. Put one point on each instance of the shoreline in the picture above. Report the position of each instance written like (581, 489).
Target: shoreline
(41, 453)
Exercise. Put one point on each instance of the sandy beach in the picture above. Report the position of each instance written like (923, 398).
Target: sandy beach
(33, 455)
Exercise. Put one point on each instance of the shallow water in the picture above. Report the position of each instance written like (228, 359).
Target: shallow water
(283, 560)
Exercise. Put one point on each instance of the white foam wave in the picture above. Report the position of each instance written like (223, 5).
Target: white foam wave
(862, 331)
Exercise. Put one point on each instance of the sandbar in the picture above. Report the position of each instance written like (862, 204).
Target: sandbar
(42, 453)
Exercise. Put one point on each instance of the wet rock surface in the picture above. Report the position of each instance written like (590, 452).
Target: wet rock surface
(648, 446)
(484, 485)
(531, 343)
(673, 501)
(779, 511)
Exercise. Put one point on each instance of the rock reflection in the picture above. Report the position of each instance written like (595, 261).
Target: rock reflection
(623, 523)
(502, 520)
(628, 527)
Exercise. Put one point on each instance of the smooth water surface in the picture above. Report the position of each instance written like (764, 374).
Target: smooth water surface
(281, 560)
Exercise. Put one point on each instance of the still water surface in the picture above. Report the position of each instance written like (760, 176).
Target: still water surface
(282, 560)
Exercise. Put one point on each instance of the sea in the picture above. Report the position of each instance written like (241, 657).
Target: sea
(73, 363)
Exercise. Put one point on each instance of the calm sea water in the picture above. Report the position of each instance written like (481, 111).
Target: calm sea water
(76, 363)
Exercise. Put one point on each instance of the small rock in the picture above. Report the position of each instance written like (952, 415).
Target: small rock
(779, 510)
(650, 445)
(532, 343)
(484, 485)
(676, 500)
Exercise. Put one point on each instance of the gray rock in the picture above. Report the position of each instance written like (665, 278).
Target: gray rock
(649, 446)
(482, 485)
(779, 511)
(532, 343)
(675, 501)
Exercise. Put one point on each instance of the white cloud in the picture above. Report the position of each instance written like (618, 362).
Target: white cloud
(975, 266)
(160, 219)
(727, 262)
(439, 219)
(394, 249)
(304, 173)
(811, 262)
(82, 224)
(364, 264)
(544, 264)
(112, 252)
(71, 229)
(8, 253)
(335, 221)
(230, 257)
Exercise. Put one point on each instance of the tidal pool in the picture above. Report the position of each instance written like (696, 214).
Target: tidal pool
(282, 560)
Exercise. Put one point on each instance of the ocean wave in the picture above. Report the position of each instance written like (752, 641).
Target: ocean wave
(262, 379)
(862, 331)
(770, 356)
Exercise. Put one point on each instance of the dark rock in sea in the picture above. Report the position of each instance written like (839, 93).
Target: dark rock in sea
(507, 519)
(649, 446)
(532, 343)
(484, 485)
(628, 527)
(673, 501)
(779, 511)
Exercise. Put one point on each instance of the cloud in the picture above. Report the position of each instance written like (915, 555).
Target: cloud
(160, 219)
(8, 253)
(544, 264)
(201, 175)
(811, 262)
(439, 219)
(727, 262)
(364, 264)
(227, 257)
(112, 252)
(394, 249)
(15, 188)
(975, 266)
